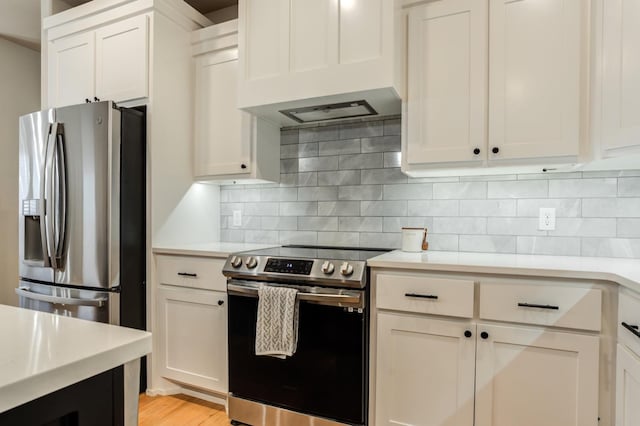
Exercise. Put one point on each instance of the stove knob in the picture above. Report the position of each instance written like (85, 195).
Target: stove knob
(251, 262)
(236, 261)
(346, 269)
(327, 267)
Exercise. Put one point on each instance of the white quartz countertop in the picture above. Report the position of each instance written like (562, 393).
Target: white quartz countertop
(217, 249)
(42, 352)
(625, 272)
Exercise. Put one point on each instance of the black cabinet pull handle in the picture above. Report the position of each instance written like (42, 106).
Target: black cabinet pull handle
(484, 335)
(187, 274)
(468, 334)
(632, 328)
(422, 296)
(495, 150)
(533, 305)
(476, 151)
(220, 302)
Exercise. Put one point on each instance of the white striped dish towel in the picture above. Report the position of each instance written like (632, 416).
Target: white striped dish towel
(277, 325)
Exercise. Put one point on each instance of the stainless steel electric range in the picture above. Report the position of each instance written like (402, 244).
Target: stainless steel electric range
(326, 381)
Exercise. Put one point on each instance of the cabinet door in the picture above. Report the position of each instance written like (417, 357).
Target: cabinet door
(535, 73)
(621, 74)
(223, 132)
(71, 70)
(627, 388)
(425, 371)
(122, 60)
(533, 377)
(447, 82)
(192, 328)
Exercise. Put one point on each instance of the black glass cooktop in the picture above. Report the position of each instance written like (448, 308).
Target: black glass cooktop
(319, 252)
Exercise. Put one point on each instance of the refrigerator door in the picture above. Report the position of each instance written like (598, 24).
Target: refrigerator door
(85, 174)
(34, 254)
(84, 304)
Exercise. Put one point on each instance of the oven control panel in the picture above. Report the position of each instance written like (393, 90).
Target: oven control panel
(289, 266)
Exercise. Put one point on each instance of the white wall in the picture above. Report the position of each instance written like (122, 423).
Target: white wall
(20, 93)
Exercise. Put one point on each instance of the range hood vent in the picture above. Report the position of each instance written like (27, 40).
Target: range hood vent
(330, 111)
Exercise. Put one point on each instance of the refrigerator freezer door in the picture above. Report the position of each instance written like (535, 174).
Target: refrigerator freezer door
(89, 229)
(33, 247)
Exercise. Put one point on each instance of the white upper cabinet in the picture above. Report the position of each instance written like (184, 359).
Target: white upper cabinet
(229, 144)
(495, 83)
(108, 63)
(621, 77)
(447, 74)
(296, 53)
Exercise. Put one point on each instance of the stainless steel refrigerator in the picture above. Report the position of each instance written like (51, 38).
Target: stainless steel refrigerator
(82, 212)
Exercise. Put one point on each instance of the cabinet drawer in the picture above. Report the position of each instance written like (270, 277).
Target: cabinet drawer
(196, 272)
(425, 295)
(629, 314)
(557, 306)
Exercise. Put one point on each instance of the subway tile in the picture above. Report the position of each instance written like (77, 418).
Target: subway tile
(360, 224)
(318, 193)
(380, 240)
(486, 178)
(433, 208)
(392, 159)
(564, 207)
(289, 165)
(487, 243)
(408, 191)
(248, 222)
(315, 164)
(299, 150)
(319, 133)
(360, 192)
(460, 191)
(298, 237)
(513, 226)
(489, 208)
(227, 209)
(555, 246)
(239, 196)
(348, 146)
(339, 208)
(442, 242)
(288, 137)
(383, 176)
(611, 173)
(629, 228)
(582, 188)
(518, 189)
(232, 235)
(261, 209)
(361, 161)
(383, 208)
(629, 187)
(611, 207)
(341, 177)
(279, 223)
(349, 239)
(395, 224)
(459, 225)
(581, 227)
(361, 130)
(261, 237)
(299, 179)
(550, 176)
(279, 194)
(611, 247)
(318, 223)
(392, 126)
(381, 144)
(435, 179)
(299, 208)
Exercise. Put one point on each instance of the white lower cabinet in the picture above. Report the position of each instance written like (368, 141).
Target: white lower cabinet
(193, 337)
(532, 377)
(425, 371)
(627, 388)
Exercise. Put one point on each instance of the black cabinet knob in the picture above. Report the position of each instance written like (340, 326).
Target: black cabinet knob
(95, 98)
(476, 151)
(495, 150)
(220, 302)
(243, 166)
(467, 334)
(484, 335)
(87, 100)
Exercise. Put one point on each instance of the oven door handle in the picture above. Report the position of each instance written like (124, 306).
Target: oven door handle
(339, 299)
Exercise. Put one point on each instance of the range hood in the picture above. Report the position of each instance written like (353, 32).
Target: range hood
(326, 112)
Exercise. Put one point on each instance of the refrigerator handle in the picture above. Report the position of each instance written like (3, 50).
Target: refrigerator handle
(28, 294)
(49, 196)
(61, 196)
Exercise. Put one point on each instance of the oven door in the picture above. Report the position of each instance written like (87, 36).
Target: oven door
(328, 374)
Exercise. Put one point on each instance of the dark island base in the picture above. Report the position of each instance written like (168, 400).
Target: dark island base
(96, 401)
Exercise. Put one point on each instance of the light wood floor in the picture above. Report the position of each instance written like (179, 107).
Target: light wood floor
(180, 410)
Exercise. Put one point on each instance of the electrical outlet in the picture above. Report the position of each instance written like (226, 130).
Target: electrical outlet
(547, 219)
(237, 218)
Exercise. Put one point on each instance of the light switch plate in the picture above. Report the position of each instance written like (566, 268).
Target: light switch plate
(547, 219)
(237, 218)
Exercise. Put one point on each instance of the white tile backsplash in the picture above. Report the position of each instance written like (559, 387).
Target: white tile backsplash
(341, 184)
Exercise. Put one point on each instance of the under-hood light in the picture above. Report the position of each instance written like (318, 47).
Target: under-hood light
(330, 111)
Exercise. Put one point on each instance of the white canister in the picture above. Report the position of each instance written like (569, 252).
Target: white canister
(413, 239)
